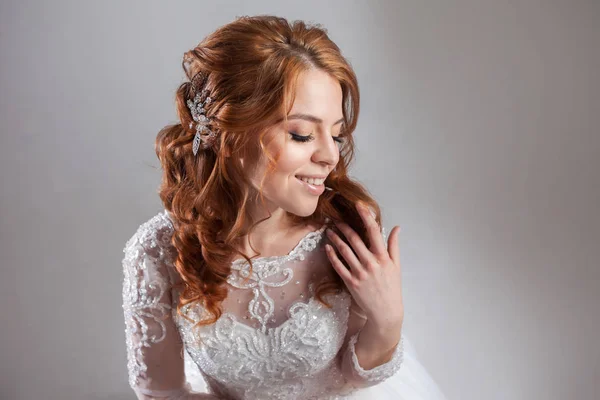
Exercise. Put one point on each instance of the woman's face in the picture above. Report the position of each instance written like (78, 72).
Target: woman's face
(308, 146)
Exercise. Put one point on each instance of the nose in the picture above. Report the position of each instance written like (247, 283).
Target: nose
(327, 151)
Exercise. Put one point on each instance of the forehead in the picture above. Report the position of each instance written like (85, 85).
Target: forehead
(318, 94)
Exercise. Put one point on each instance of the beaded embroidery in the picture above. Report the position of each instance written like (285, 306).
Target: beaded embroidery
(295, 360)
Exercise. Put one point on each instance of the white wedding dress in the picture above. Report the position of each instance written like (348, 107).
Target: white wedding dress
(273, 341)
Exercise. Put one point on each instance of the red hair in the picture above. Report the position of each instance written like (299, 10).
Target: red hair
(252, 65)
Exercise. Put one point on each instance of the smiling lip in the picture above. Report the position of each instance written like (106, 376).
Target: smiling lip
(315, 190)
(312, 176)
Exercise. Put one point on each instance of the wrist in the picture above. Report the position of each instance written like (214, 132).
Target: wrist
(376, 345)
(380, 337)
(385, 325)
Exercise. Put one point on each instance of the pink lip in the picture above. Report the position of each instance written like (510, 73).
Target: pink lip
(313, 176)
(313, 189)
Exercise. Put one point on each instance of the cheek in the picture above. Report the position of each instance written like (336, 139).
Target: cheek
(293, 160)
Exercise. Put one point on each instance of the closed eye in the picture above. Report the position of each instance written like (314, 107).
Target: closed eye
(308, 138)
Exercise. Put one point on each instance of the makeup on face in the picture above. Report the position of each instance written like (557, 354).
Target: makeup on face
(313, 186)
(306, 145)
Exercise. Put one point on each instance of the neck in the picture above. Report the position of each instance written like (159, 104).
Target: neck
(273, 235)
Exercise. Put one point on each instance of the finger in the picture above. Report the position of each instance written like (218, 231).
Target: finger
(340, 268)
(347, 253)
(377, 247)
(358, 245)
(393, 245)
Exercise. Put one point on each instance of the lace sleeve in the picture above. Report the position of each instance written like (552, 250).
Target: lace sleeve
(154, 347)
(361, 377)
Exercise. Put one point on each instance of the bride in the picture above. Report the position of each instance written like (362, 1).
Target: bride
(268, 275)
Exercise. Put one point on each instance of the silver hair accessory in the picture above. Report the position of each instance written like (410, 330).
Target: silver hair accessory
(204, 135)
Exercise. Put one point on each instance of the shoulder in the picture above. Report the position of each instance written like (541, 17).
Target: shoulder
(153, 233)
(151, 239)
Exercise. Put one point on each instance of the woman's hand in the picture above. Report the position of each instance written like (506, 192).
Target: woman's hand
(374, 279)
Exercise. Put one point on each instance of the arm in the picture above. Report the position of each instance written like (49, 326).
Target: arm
(370, 354)
(154, 347)
(373, 350)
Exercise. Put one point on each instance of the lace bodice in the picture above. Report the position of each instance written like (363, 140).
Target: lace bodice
(275, 340)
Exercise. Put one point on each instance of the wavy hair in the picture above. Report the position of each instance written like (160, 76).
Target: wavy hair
(252, 65)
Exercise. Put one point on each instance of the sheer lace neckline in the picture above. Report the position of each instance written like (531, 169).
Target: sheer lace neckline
(296, 310)
(307, 243)
(300, 247)
(270, 272)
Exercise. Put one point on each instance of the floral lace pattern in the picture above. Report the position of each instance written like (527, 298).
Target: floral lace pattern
(288, 357)
(382, 372)
(143, 288)
(262, 306)
(298, 359)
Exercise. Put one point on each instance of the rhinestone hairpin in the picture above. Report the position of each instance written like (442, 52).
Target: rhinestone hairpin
(203, 133)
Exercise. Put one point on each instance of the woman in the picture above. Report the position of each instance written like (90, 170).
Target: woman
(267, 276)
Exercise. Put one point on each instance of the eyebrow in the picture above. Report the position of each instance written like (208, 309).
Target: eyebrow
(311, 118)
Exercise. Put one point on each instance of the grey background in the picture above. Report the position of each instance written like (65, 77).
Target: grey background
(478, 134)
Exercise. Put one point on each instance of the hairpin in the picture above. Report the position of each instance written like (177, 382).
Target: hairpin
(204, 135)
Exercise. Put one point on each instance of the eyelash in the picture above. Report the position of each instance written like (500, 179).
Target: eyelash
(300, 138)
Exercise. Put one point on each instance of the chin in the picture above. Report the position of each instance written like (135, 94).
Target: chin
(303, 211)
(306, 214)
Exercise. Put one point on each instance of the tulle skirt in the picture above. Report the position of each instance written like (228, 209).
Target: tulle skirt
(411, 382)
